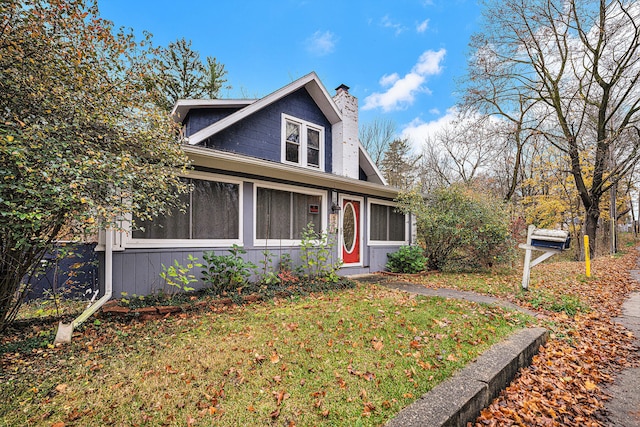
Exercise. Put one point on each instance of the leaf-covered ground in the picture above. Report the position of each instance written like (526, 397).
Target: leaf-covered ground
(352, 357)
(565, 384)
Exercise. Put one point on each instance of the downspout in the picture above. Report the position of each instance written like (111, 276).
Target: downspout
(66, 330)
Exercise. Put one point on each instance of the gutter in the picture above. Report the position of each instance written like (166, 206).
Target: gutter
(65, 331)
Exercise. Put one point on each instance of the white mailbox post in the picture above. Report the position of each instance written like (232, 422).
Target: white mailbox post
(550, 242)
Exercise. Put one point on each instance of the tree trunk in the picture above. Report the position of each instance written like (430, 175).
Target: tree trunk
(516, 170)
(592, 216)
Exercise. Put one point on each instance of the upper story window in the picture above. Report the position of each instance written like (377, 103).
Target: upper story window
(303, 143)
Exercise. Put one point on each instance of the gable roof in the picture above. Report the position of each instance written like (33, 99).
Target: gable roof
(311, 82)
(183, 106)
(369, 167)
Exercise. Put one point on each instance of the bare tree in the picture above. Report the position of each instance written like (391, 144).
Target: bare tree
(462, 151)
(376, 136)
(579, 63)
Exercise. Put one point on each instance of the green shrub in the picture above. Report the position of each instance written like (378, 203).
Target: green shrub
(316, 255)
(224, 273)
(408, 259)
(460, 229)
(179, 276)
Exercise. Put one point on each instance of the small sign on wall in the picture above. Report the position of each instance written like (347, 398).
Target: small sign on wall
(333, 223)
(314, 209)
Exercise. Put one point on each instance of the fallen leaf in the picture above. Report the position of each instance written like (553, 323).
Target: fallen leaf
(280, 396)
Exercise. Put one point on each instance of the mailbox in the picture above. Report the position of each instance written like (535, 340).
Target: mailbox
(550, 242)
(552, 239)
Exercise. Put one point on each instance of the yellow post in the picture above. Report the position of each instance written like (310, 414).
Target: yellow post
(587, 258)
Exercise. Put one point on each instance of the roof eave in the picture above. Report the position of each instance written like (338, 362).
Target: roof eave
(183, 106)
(232, 162)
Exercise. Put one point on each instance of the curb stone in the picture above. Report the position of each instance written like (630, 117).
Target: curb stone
(460, 399)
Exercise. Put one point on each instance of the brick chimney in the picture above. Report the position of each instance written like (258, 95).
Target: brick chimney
(345, 144)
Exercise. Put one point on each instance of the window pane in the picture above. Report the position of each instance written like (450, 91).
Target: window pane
(293, 153)
(303, 214)
(293, 132)
(313, 139)
(273, 214)
(349, 232)
(172, 225)
(215, 210)
(378, 230)
(397, 226)
(313, 147)
(313, 157)
(292, 149)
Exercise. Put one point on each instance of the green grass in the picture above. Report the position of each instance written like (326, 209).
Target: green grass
(543, 298)
(353, 357)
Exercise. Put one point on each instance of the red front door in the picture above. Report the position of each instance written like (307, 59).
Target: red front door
(350, 231)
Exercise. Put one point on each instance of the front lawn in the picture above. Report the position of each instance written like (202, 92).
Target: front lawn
(350, 357)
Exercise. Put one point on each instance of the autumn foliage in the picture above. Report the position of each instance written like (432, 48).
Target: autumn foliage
(80, 145)
(565, 385)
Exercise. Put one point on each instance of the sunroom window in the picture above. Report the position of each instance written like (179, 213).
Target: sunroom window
(212, 213)
(387, 224)
(303, 143)
(283, 215)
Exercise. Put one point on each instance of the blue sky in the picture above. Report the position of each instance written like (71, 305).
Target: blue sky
(400, 58)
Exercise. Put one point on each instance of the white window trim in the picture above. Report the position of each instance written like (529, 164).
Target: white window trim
(293, 189)
(407, 225)
(196, 243)
(304, 125)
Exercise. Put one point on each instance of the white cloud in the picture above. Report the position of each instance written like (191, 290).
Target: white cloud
(322, 43)
(417, 131)
(429, 62)
(434, 111)
(389, 79)
(397, 27)
(422, 26)
(402, 91)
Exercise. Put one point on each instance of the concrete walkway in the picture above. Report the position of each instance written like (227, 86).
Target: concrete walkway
(623, 410)
(455, 294)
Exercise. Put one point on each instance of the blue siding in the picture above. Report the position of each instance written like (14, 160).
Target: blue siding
(200, 118)
(259, 134)
(137, 271)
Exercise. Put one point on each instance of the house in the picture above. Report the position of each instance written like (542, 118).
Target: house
(262, 170)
